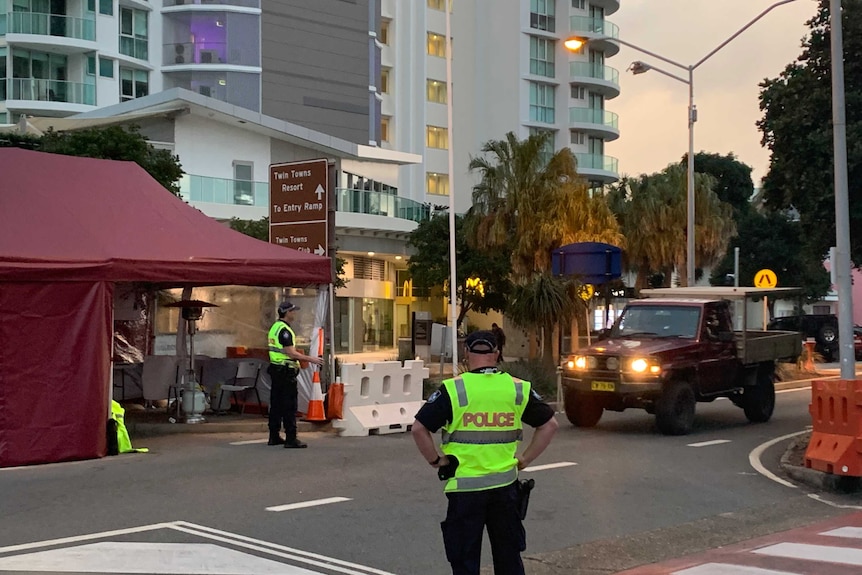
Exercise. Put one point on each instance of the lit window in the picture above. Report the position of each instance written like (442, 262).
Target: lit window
(384, 81)
(541, 103)
(441, 5)
(436, 45)
(384, 130)
(436, 91)
(437, 184)
(436, 137)
(541, 57)
(384, 32)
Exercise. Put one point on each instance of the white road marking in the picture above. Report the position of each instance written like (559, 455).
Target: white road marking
(809, 552)
(727, 569)
(792, 389)
(249, 442)
(754, 458)
(821, 499)
(150, 558)
(303, 504)
(850, 532)
(708, 443)
(275, 549)
(78, 538)
(549, 466)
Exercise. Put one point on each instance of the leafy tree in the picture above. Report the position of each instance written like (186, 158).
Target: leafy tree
(259, 229)
(797, 128)
(733, 183)
(117, 143)
(773, 241)
(429, 266)
(540, 302)
(529, 202)
(653, 212)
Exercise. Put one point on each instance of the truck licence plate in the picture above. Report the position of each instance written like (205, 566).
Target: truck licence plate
(602, 386)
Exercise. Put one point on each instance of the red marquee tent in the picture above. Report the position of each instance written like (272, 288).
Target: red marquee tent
(69, 229)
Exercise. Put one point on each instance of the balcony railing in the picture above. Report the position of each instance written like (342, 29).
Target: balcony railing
(245, 193)
(207, 53)
(49, 91)
(597, 71)
(48, 25)
(381, 204)
(243, 3)
(593, 116)
(593, 26)
(597, 162)
(223, 191)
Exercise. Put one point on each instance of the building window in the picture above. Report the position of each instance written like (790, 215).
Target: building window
(384, 32)
(106, 7)
(579, 4)
(243, 183)
(541, 103)
(384, 81)
(133, 33)
(133, 84)
(541, 57)
(437, 184)
(579, 93)
(106, 67)
(91, 65)
(578, 138)
(542, 15)
(441, 5)
(384, 130)
(437, 137)
(436, 91)
(436, 45)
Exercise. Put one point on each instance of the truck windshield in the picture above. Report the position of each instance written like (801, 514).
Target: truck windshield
(658, 321)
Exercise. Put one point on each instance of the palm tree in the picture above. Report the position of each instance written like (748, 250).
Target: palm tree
(529, 202)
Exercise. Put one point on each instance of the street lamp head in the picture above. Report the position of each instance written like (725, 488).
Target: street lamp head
(574, 43)
(639, 67)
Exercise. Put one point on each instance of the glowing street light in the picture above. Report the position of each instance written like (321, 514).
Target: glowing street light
(575, 43)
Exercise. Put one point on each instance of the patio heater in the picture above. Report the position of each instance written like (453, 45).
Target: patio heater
(192, 399)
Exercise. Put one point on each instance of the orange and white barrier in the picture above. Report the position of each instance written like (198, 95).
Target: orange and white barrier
(381, 397)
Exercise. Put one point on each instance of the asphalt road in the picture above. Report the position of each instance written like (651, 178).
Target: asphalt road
(618, 496)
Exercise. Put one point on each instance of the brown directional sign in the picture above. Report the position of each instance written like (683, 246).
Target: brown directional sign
(298, 205)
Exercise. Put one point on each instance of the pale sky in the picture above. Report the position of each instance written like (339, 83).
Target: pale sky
(653, 108)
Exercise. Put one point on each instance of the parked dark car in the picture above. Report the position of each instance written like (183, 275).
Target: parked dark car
(822, 327)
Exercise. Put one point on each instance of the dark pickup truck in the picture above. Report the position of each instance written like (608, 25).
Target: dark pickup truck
(675, 348)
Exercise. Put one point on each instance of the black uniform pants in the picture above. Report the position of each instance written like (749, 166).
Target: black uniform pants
(282, 400)
(469, 513)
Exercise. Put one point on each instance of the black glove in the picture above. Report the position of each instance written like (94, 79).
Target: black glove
(448, 471)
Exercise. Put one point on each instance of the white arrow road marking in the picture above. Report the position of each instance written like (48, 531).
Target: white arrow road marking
(319, 191)
(303, 504)
(549, 466)
(249, 442)
(708, 443)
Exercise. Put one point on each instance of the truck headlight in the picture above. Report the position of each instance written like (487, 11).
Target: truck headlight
(645, 365)
(581, 362)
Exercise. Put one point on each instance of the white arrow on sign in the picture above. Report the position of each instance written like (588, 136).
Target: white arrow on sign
(319, 191)
(319, 250)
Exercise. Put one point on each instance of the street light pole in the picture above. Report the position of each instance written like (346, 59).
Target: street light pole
(453, 286)
(639, 68)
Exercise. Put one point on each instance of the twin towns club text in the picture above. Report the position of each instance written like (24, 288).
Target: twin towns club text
(284, 177)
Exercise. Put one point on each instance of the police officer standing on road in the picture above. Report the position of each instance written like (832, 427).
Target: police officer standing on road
(481, 413)
(283, 368)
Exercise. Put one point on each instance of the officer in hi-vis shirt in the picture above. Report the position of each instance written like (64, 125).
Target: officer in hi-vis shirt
(481, 413)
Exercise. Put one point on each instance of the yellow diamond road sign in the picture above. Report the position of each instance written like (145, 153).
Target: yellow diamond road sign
(765, 279)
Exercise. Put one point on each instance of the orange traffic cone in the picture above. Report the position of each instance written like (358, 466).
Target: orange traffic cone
(315, 403)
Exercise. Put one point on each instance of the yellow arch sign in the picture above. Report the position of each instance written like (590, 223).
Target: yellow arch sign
(765, 279)
(586, 291)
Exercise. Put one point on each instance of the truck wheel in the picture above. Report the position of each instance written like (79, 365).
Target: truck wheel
(674, 412)
(829, 333)
(759, 401)
(582, 410)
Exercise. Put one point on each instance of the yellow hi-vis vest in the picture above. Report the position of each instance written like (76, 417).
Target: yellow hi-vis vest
(485, 429)
(276, 355)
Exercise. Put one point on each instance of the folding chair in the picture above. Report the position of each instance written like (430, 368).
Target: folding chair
(246, 378)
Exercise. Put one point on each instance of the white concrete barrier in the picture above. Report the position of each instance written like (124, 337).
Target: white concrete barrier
(380, 398)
